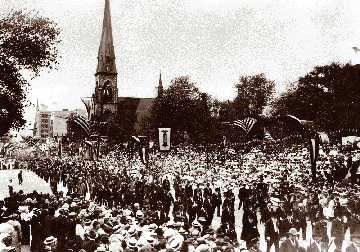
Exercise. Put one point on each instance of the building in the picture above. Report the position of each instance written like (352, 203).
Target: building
(105, 103)
(43, 124)
(49, 124)
(59, 119)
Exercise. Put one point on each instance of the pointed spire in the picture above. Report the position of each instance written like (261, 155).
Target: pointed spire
(160, 88)
(106, 55)
(160, 81)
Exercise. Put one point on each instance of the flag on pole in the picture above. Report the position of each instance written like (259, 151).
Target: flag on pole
(164, 139)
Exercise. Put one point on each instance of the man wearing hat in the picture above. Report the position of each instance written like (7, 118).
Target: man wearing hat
(317, 243)
(290, 244)
(272, 235)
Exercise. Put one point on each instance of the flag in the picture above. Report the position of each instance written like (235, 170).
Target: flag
(267, 136)
(89, 104)
(164, 139)
(246, 124)
(83, 123)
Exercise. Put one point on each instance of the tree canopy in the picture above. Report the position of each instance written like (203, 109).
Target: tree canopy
(27, 41)
(183, 108)
(328, 95)
(253, 93)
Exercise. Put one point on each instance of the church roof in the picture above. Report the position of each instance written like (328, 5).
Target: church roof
(106, 54)
(136, 108)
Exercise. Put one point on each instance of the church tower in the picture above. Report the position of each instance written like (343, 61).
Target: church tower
(160, 87)
(106, 91)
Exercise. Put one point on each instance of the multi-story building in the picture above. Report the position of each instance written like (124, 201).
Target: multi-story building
(49, 124)
(43, 124)
(60, 118)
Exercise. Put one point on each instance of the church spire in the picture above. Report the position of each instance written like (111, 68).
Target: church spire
(160, 88)
(106, 55)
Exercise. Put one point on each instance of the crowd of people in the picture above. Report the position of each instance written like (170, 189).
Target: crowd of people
(115, 204)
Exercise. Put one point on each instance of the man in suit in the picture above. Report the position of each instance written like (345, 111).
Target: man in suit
(290, 244)
(286, 224)
(317, 243)
(272, 235)
(355, 240)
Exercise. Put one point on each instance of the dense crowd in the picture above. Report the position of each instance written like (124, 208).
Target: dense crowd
(171, 206)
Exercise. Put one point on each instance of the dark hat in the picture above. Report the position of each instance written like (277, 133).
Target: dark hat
(92, 235)
(210, 231)
(7, 240)
(70, 244)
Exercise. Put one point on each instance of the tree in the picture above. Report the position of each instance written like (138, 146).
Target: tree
(182, 108)
(27, 41)
(328, 95)
(253, 93)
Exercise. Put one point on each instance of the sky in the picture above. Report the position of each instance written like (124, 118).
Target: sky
(213, 41)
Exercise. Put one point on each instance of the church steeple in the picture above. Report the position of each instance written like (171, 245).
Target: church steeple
(106, 54)
(160, 87)
(106, 90)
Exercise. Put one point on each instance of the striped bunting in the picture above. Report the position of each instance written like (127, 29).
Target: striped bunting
(246, 124)
(89, 104)
(83, 123)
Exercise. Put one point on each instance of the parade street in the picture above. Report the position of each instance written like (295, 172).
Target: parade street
(32, 182)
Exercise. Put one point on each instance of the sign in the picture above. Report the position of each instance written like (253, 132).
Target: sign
(164, 139)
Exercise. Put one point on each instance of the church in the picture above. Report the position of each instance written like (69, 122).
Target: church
(105, 103)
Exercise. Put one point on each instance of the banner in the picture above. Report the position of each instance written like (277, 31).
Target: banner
(164, 139)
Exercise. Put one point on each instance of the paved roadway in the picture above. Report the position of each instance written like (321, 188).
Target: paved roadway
(33, 182)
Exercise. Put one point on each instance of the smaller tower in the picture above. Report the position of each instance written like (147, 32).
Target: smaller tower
(160, 87)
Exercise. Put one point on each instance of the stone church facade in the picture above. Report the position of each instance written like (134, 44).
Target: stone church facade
(105, 100)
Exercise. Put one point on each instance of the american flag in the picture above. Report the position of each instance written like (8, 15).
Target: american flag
(83, 123)
(246, 124)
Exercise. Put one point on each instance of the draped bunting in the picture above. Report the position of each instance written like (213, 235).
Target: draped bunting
(246, 124)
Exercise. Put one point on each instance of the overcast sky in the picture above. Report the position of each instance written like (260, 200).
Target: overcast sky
(213, 41)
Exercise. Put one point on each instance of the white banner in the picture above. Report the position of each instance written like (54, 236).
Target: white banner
(164, 139)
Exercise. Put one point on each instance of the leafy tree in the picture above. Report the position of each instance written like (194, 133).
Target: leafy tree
(253, 93)
(328, 95)
(183, 108)
(27, 41)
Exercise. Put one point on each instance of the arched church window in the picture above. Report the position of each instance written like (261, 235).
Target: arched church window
(107, 92)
